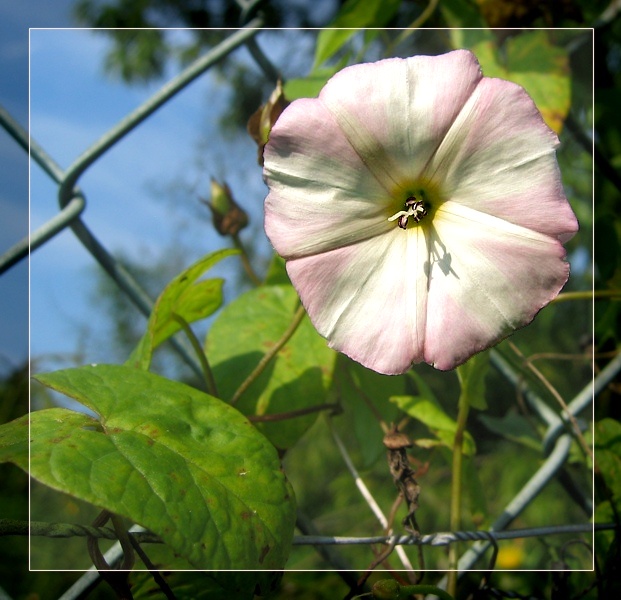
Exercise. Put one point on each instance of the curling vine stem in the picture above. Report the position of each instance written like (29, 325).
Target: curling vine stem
(268, 356)
(125, 541)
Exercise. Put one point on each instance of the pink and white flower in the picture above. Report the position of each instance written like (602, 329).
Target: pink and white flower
(420, 210)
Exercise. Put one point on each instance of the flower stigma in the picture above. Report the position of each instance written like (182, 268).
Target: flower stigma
(413, 208)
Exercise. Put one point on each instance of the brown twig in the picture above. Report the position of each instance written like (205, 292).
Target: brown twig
(117, 580)
(292, 414)
(557, 397)
(403, 475)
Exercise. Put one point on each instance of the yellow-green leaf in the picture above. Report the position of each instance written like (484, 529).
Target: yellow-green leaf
(541, 68)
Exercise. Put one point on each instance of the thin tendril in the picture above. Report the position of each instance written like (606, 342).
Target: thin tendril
(246, 261)
(210, 381)
(286, 336)
(572, 419)
(586, 295)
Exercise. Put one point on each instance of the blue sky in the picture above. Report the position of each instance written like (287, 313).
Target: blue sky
(129, 189)
(15, 18)
(72, 106)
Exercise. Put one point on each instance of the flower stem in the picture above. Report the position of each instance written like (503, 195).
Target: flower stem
(587, 295)
(293, 414)
(413, 26)
(210, 381)
(286, 336)
(462, 418)
(245, 260)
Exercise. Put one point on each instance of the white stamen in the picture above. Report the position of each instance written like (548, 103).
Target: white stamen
(414, 208)
(401, 213)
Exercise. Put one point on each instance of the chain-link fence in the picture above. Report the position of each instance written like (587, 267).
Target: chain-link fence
(73, 205)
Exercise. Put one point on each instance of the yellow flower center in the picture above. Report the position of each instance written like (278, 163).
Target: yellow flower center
(415, 201)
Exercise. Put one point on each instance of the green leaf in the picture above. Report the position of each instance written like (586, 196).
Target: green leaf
(428, 411)
(298, 377)
(14, 441)
(179, 462)
(354, 14)
(311, 85)
(461, 16)
(542, 69)
(329, 42)
(471, 377)
(358, 388)
(185, 297)
(469, 38)
(425, 410)
(608, 455)
(607, 548)
(277, 272)
(513, 427)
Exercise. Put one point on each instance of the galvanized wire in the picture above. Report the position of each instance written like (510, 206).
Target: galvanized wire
(522, 499)
(584, 398)
(554, 462)
(71, 211)
(443, 538)
(91, 577)
(72, 201)
(446, 538)
(514, 378)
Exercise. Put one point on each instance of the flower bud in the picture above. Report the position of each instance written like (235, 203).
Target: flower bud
(262, 121)
(228, 217)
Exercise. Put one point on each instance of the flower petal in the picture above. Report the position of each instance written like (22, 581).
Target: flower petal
(499, 158)
(334, 163)
(488, 277)
(322, 196)
(369, 300)
(396, 111)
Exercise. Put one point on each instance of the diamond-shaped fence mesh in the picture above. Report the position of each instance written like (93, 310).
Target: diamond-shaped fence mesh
(73, 206)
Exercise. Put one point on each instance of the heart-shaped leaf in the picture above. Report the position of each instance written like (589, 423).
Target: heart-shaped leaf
(183, 464)
(298, 376)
